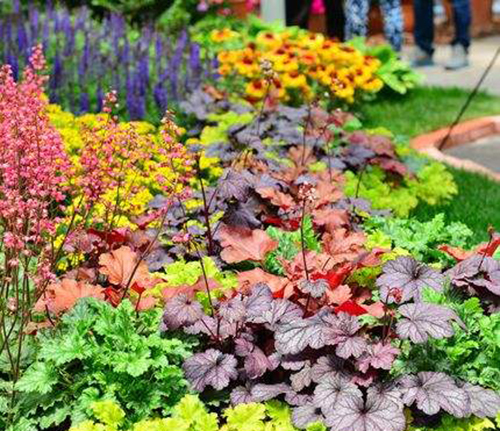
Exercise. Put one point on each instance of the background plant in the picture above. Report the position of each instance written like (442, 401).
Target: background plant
(88, 57)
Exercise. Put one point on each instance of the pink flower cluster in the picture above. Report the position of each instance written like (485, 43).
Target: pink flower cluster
(33, 163)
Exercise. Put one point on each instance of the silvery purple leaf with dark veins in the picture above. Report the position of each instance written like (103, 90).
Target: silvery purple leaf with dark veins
(331, 390)
(180, 311)
(304, 415)
(484, 402)
(410, 277)
(374, 414)
(423, 321)
(432, 392)
(210, 368)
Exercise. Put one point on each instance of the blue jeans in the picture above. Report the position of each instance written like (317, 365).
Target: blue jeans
(424, 23)
(356, 12)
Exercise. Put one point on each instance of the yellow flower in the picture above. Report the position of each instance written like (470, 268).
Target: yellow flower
(227, 56)
(294, 79)
(373, 85)
(256, 89)
(224, 69)
(268, 40)
(219, 36)
(247, 67)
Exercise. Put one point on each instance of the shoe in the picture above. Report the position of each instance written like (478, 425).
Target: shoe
(459, 58)
(421, 58)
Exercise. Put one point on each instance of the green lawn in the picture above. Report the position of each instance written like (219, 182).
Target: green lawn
(425, 109)
(429, 108)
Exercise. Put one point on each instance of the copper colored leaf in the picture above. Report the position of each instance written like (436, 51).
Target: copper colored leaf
(62, 296)
(239, 244)
(122, 268)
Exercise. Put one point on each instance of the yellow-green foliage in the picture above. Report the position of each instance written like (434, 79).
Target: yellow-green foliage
(192, 415)
(452, 424)
(433, 184)
(143, 179)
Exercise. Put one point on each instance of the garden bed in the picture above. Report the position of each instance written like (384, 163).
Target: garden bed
(249, 262)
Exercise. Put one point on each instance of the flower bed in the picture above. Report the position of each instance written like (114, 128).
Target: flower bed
(252, 270)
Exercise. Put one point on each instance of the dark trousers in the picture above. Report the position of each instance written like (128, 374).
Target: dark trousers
(424, 23)
(297, 13)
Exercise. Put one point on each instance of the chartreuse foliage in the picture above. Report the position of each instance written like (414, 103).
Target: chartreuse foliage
(432, 184)
(289, 244)
(471, 354)
(418, 238)
(450, 423)
(190, 414)
(98, 353)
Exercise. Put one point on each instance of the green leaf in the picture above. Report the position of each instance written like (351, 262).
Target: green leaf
(40, 377)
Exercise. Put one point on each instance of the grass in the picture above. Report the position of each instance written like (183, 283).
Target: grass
(429, 108)
(425, 109)
(477, 204)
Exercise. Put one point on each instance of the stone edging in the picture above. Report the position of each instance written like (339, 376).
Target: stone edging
(464, 133)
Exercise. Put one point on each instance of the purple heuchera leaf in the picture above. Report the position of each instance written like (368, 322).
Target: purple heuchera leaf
(262, 392)
(476, 272)
(295, 336)
(435, 391)
(180, 311)
(307, 414)
(241, 395)
(302, 379)
(259, 301)
(257, 364)
(280, 311)
(211, 368)
(408, 277)
(380, 356)
(421, 321)
(483, 402)
(315, 288)
(233, 185)
(294, 399)
(347, 343)
(389, 391)
(233, 310)
(376, 414)
(326, 366)
(331, 390)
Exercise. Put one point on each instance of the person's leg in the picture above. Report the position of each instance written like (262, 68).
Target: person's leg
(460, 45)
(424, 25)
(335, 18)
(297, 12)
(462, 18)
(393, 22)
(356, 14)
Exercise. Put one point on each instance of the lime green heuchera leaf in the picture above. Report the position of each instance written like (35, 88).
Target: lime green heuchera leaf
(246, 417)
(108, 412)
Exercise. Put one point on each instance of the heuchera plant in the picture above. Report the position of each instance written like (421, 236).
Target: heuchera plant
(326, 363)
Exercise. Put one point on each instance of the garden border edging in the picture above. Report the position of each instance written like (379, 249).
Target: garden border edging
(463, 134)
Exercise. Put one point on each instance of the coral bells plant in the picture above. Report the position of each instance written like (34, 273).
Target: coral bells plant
(33, 178)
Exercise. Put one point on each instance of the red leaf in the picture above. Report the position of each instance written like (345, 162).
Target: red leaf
(240, 244)
(138, 288)
(112, 296)
(352, 308)
(334, 277)
(489, 248)
(111, 238)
